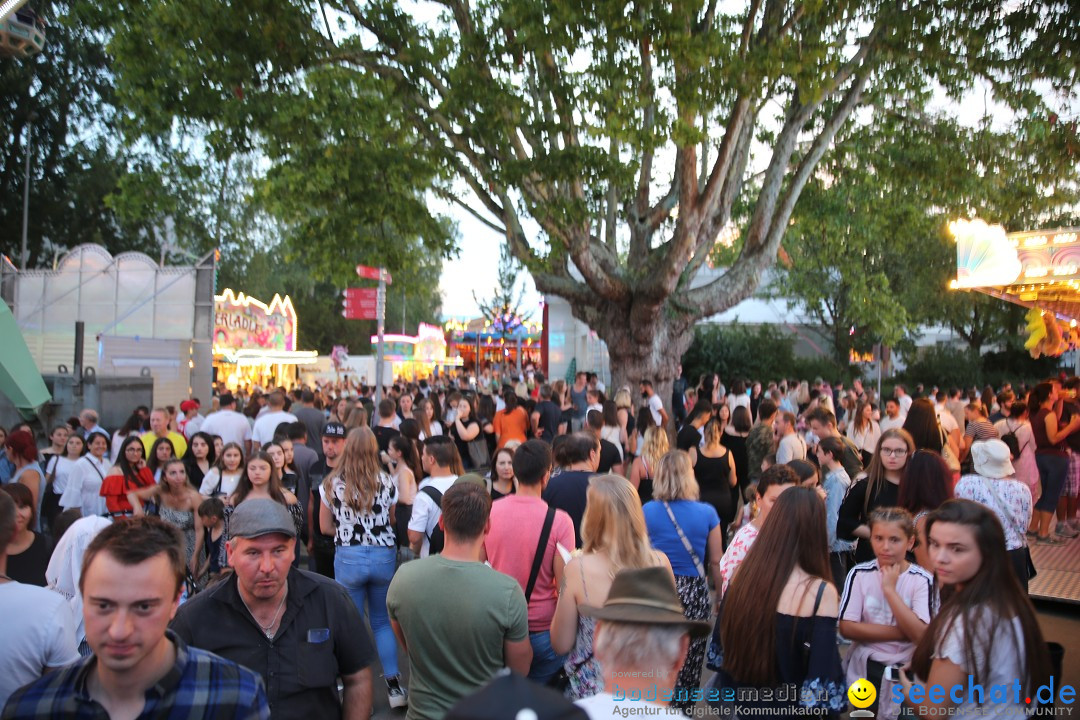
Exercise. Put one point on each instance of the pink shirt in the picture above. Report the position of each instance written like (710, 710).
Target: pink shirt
(516, 522)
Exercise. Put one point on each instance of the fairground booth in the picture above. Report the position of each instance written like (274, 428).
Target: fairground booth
(514, 345)
(415, 357)
(255, 343)
(1039, 270)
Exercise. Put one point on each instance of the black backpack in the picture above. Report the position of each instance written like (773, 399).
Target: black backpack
(436, 539)
(1011, 442)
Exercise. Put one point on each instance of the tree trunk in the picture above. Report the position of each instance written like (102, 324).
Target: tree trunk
(646, 344)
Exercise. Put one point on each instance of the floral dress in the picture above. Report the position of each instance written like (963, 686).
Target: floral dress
(582, 669)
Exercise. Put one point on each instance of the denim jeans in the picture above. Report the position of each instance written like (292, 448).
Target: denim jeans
(546, 662)
(366, 572)
(1052, 470)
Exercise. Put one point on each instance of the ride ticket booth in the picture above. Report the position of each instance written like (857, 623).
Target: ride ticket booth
(255, 342)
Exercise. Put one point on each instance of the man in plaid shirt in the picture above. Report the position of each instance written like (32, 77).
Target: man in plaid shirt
(132, 576)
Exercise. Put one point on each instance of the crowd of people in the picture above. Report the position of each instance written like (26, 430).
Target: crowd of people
(790, 535)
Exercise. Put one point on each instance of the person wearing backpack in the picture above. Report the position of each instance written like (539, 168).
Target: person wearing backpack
(425, 535)
(1016, 433)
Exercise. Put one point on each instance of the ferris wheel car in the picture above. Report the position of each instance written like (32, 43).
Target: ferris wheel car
(22, 34)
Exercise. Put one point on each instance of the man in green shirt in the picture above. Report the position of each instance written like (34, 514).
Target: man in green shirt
(452, 653)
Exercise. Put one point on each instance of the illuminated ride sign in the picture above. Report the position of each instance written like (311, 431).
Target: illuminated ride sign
(248, 331)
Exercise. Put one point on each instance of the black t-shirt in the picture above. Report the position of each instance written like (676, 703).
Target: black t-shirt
(688, 437)
(550, 415)
(383, 436)
(851, 513)
(567, 491)
(28, 567)
(315, 477)
(462, 445)
(609, 456)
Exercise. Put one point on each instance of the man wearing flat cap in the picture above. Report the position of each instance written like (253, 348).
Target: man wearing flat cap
(299, 630)
(640, 642)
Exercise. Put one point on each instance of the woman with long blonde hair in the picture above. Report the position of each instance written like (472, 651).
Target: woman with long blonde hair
(358, 500)
(689, 532)
(614, 538)
(643, 468)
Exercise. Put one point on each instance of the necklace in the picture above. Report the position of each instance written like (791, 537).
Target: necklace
(267, 629)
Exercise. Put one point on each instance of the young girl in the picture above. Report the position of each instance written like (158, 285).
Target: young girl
(222, 479)
(986, 632)
(886, 605)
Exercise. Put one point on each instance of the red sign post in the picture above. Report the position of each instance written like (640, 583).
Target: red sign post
(361, 304)
(358, 305)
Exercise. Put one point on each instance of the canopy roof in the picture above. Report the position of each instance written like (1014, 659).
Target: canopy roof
(20, 380)
(1035, 269)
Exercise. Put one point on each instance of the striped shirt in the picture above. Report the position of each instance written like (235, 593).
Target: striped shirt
(199, 685)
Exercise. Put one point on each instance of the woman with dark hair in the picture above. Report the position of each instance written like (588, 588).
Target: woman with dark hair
(465, 429)
(160, 452)
(880, 488)
(134, 425)
(129, 473)
(222, 478)
(27, 551)
(23, 454)
(83, 491)
(986, 632)
(511, 424)
(259, 480)
(485, 415)
(714, 470)
(407, 473)
(612, 431)
(923, 426)
(502, 482)
(778, 619)
(925, 484)
(177, 503)
(1051, 457)
(57, 468)
(734, 439)
(863, 429)
(199, 458)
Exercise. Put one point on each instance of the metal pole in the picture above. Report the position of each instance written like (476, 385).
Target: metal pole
(380, 319)
(25, 256)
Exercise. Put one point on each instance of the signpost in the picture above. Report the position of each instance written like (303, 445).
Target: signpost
(358, 304)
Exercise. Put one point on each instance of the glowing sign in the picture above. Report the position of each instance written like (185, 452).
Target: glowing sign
(984, 255)
(244, 323)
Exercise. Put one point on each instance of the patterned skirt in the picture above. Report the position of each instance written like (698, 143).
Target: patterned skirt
(694, 593)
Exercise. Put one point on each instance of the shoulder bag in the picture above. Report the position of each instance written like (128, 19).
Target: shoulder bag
(686, 543)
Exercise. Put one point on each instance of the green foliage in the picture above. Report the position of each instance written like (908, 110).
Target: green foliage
(756, 352)
(947, 367)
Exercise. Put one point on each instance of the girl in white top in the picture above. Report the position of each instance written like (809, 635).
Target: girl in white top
(986, 627)
(863, 430)
(886, 604)
(59, 467)
(222, 479)
(84, 479)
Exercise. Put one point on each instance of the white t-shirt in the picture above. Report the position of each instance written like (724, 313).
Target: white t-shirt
(193, 426)
(60, 467)
(227, 486)
(888, 423)
(267, 424)
(230, 425)
(37, 635)
(1003, 667)
(425, 514)
(905, 404)
(791, 447)
(84, 486)
(604, 706)
(945, 419)
(655, 406)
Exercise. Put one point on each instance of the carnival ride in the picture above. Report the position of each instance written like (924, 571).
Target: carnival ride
(22, 32)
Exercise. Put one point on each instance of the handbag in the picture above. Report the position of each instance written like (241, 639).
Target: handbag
(947, 453)
(686, 543)
(478, 452)
(1031, 571)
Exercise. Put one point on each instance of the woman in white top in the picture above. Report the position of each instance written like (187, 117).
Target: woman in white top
(985, 633)
(864, 431)
(222, 479)
(84, 479)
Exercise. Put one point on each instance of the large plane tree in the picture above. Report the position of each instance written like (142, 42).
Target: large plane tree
(610, 143)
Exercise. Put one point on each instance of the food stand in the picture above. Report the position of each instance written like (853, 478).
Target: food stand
(414, 357)
(255, 343)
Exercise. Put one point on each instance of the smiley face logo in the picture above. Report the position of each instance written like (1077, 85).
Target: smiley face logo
(862, 693)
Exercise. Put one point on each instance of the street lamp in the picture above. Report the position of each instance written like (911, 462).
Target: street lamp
(25, 256)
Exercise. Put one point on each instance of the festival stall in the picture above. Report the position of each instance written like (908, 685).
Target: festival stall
(414, 357)
(515, 345)
(1038, 269)
(255, 343)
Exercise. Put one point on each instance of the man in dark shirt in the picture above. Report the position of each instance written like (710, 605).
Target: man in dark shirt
(568, 490)
(321, 545)
(610, 456)
(678, 396)
(690, 434)
(298, 630)
(546, 416)
(384, 429)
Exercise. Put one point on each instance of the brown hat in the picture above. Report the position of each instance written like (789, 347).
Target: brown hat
(645, 596)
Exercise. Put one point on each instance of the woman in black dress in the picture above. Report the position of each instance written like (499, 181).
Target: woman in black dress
(714, 469)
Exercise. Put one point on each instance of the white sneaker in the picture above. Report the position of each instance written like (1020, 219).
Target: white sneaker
(1066, 530)
(396, 693)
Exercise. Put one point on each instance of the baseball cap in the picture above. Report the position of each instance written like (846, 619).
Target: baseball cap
(189, 405)
(260, 516)
(334, 430)
(512, 696)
